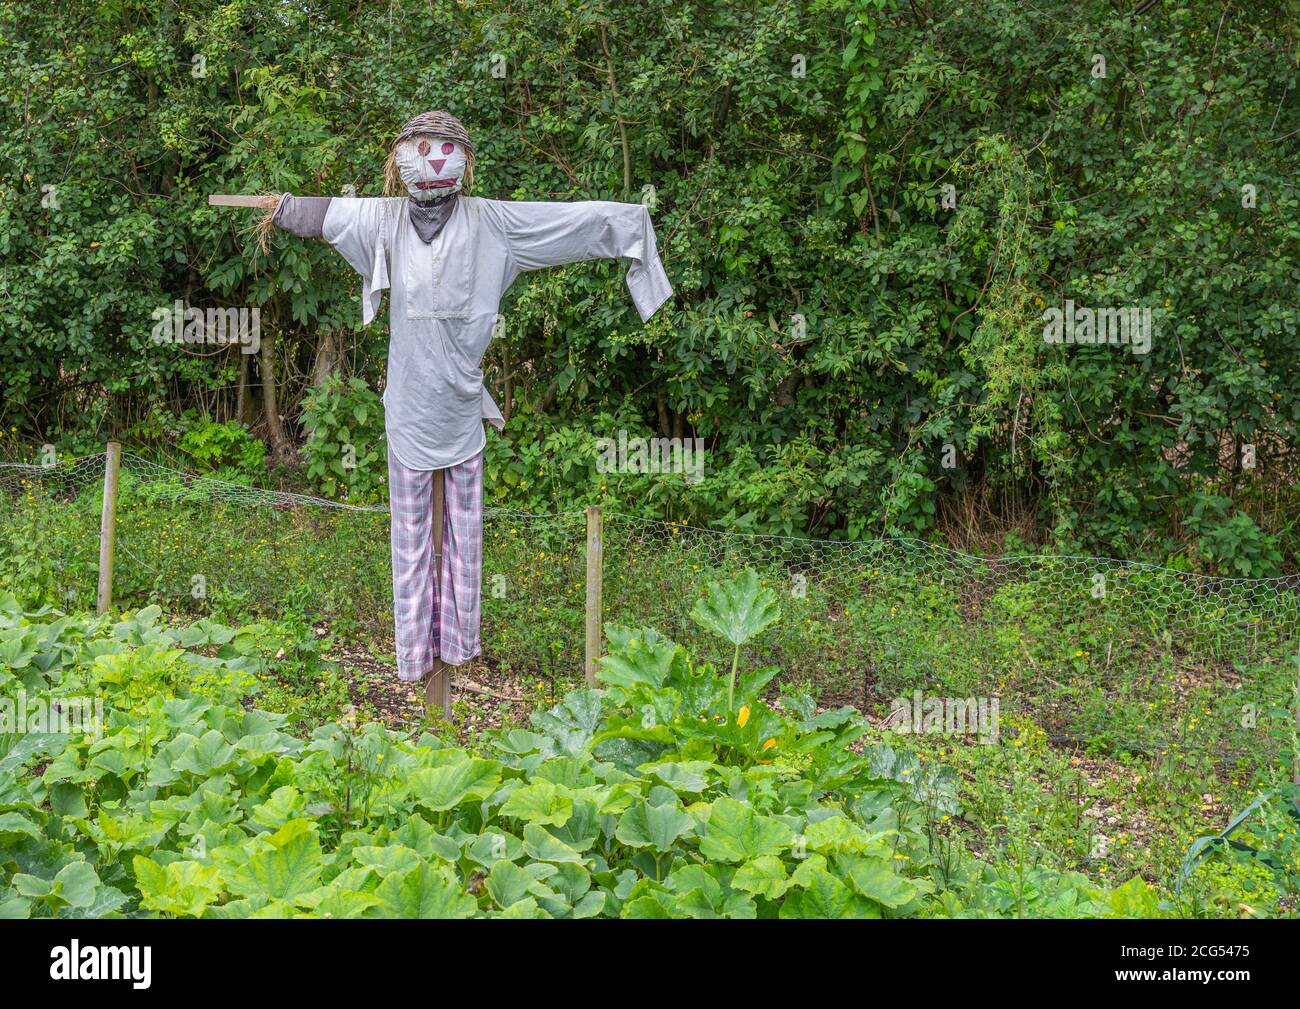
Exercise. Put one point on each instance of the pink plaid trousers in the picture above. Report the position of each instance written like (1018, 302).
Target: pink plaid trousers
(426, 626)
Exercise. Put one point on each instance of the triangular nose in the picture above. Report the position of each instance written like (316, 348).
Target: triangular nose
(437, 165)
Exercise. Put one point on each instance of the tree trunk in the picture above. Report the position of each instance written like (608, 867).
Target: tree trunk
(327, 359)
(548, 398)
(241, 392)
(281, 450)
(507, 382)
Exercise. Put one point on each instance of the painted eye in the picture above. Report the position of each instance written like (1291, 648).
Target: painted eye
(448, 147)
(423, 148)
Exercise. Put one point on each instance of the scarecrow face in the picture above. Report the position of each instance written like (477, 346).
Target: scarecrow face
(431, 166)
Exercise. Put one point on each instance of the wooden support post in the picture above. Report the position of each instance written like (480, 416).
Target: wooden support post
(437, 683)
(108, 527)
(595, 591)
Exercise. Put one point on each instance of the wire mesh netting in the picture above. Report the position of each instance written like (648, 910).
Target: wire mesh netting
(1112, 654)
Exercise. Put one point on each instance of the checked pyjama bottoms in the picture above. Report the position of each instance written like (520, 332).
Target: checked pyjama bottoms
(427, 625)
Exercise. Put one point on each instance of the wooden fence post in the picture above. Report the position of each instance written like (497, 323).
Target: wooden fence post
(108, 527)
(595, 591)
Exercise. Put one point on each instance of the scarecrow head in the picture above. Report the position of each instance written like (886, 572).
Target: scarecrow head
(431, 158)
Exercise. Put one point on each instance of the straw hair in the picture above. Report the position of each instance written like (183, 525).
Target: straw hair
(270, 203)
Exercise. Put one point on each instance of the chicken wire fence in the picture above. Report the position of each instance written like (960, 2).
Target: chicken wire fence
(1102, 652)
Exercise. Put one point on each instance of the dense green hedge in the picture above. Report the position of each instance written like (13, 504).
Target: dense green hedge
(797, 153)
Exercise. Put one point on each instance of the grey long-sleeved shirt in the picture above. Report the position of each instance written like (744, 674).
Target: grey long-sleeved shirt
(445, 295)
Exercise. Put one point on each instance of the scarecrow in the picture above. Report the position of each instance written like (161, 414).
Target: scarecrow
(446, 258)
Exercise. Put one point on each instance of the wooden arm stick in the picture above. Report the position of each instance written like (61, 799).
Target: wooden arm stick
(222, 200)
(267, 203)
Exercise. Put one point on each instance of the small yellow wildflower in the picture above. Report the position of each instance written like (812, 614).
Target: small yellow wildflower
(743, 716)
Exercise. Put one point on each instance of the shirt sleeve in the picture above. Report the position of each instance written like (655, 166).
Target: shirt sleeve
(550, 234)
(303, 216)
(356, 228)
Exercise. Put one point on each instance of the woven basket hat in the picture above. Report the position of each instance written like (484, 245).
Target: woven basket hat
(434, 124)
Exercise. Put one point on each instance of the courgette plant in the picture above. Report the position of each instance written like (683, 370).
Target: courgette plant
(738, 611)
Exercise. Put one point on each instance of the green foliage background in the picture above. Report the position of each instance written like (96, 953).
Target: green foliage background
(796, 152)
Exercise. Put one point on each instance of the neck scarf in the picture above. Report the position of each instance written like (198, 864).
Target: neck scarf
(430, 216)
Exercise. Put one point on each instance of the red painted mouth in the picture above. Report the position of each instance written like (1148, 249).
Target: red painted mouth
(437, 184)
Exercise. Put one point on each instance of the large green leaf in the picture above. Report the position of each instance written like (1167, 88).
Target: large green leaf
(209, 755)
(178, 888)
(12, 824)
(423, 892)
(877, 879)
(545, 847)
(737, 610)
(657, 827)
(459, 780)
(386, 859)
(641, 664)
(346, 904)
(571, 723)
(285, 804)
(291, 866)
(688, 776)
(826, 897)
(736, 833)
(540, 802)
(508, 884)
(764, 876)
(840, 834)
(74, 885)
